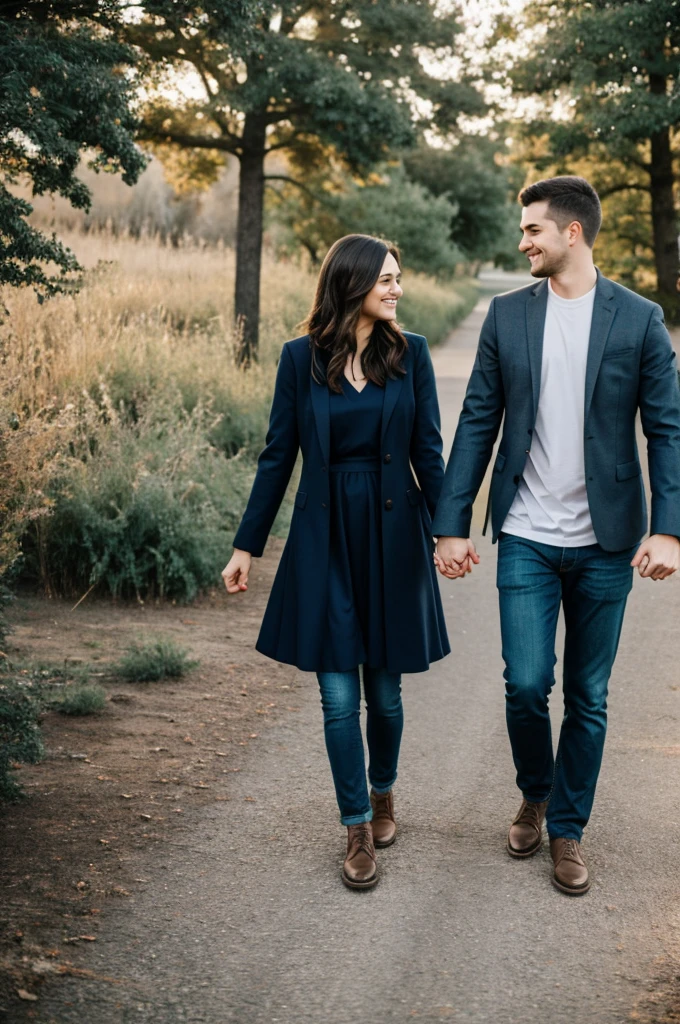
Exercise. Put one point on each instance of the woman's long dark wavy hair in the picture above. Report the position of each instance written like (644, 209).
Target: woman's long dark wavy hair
(350, 270)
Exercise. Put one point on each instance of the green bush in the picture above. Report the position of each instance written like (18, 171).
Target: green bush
(142, 512)
(157, 659)
(87, 699)
(20, 738)
(435, 309)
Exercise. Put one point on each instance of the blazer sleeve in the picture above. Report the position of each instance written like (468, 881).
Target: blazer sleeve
(659, 401)
(426, 439)
(473, 443)
(275, 464)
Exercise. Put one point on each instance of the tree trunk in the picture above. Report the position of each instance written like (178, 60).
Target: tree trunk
(664, 219)
(249, 235)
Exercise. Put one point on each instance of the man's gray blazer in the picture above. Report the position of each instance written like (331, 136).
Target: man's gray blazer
(630, 365)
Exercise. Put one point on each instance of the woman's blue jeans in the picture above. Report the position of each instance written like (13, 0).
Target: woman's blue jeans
(592, 586)
(340, 700)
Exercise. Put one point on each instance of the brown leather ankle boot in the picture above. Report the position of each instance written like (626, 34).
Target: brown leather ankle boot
(526, 831)
(570, 874)
(360, 870)
(384, 825)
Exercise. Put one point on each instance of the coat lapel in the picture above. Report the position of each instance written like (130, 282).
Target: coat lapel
(393, 388)
(320, 396)
(603, 316)
(536, 307)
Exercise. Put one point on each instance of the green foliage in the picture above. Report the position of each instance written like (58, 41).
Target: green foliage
(608, 75)
(20, 738)
(482, 190)
(435, 309)
(154, 660)
(389, 206)
(83, 699)
(344, 74)
(61, 92)
(142, 512)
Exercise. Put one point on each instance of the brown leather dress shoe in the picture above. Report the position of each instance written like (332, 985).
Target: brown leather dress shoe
(526, 831)
(360, 870)
(383, 824)
(571, 873)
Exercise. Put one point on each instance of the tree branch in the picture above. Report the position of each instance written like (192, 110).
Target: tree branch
(230, 145)
(298, 184)
(603, 193)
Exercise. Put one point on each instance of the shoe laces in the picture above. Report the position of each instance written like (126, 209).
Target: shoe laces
(529, 815)
(362, 840)
(571, 849)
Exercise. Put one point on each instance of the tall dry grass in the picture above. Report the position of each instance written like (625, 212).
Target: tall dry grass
(128, 431)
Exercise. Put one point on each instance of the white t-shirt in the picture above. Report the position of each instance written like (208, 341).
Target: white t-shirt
(551, 504)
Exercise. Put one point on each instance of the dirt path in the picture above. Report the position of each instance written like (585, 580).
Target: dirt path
(245, 920)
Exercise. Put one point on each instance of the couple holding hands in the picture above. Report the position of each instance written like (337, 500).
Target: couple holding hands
(565, 364)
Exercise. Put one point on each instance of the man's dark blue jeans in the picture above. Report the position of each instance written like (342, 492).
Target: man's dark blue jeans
(592, 585)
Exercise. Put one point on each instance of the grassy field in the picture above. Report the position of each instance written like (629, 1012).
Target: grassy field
(129, 433)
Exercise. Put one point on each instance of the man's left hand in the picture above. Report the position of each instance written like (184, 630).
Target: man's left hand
(658, 557)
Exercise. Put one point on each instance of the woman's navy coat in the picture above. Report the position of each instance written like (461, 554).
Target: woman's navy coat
(295, 626)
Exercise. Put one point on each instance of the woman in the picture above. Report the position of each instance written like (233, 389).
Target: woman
(356, 585)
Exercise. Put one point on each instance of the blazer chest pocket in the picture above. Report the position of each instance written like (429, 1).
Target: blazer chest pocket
(414, 496)
(615, 353)
(628, 470)
(301, 499)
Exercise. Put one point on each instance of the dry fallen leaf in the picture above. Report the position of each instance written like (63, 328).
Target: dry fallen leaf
(23, 994)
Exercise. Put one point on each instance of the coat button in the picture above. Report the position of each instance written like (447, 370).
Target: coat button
(527, 451)
(388, 504)
(324, 505)
(388, 458)
(515, 479)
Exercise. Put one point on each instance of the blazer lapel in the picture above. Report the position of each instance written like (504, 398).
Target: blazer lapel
(603, 316)
(536, 306)
(392, 391)
(321, 408)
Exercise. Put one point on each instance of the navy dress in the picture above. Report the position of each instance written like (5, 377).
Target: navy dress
(356, 608)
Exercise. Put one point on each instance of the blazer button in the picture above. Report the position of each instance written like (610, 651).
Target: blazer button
(388, 458)
(515, 479)
(527, 451)
(388, 504)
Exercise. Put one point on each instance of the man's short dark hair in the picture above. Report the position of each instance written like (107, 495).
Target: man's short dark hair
(569, 198)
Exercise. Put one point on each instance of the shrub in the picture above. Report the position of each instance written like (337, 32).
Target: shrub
(435, 308)
(20, 738)
(157, 659)
(82, 699)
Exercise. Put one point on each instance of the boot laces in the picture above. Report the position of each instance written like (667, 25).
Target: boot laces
(528, 815)
(362, 840)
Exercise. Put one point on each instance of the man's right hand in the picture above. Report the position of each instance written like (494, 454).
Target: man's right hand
(455, 556)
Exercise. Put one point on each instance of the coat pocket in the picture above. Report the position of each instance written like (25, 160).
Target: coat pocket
(614, 352)
(627, 470)
(415, 496)
(499, 464)
(301, 499)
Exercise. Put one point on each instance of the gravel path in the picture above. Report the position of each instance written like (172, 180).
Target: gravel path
(247, 920)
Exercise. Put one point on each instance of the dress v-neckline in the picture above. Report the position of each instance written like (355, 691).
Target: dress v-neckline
(356, 391)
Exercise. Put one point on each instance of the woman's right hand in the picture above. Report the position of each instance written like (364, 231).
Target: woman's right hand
(235, 574)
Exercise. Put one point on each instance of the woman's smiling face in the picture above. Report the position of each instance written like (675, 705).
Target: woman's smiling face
(381, 301)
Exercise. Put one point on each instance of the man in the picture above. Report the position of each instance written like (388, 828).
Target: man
(568, 362)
